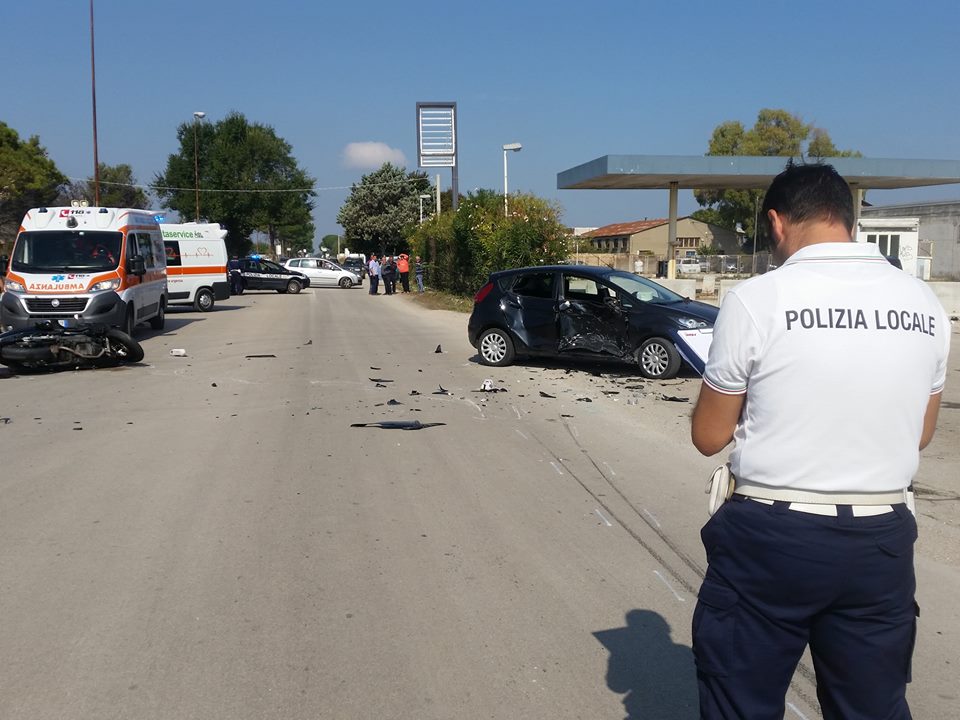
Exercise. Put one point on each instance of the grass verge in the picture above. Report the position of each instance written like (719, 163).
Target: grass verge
(437, 300)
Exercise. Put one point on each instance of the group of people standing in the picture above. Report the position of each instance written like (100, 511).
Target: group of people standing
(390, 270)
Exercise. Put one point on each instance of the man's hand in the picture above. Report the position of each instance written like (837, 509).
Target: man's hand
(714, 420)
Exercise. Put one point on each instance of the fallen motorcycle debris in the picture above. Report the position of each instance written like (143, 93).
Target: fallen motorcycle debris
(398, 425)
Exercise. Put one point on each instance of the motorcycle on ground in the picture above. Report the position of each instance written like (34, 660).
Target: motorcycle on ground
(50, 345)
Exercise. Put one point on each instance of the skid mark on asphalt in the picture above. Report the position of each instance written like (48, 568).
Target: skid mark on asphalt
(669, 586)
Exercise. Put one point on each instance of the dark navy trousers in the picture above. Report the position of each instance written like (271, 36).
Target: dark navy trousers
(778, 580)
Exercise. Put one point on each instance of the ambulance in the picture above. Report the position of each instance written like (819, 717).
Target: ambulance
(90, 264)
(196, 264)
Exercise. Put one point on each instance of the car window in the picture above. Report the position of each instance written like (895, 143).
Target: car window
(643, 289)
(270, 266)
(308, 263)
(293, 263)
(538, 285)
(581, 288)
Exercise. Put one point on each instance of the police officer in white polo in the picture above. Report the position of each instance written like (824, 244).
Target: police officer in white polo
(827, 375)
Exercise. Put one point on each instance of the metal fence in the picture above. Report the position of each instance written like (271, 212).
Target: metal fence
(692, 266)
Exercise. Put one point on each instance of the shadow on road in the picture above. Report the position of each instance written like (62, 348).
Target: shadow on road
(655, 675)
(602, 366)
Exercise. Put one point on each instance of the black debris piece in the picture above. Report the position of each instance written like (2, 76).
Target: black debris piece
(260, 356)
(674, 398)
(379, 380)
(375, 368)
(7, 421)
(379, 405)
(213, 384)
(379, 385)
(414, 392)
(584, 399)
(442, 391)
(564, 415)
(309, 342)
(78, 428)
(438, 350)
(547, 395)
(419, 370)
(633, 387)
(610, 392)
(391, 401)
(398, 425)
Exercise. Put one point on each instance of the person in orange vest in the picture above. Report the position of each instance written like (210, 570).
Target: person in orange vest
(403, 267)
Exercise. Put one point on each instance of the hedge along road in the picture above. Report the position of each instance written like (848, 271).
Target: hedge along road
(207, 536)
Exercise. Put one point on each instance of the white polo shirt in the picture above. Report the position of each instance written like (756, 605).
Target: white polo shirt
(838, 353)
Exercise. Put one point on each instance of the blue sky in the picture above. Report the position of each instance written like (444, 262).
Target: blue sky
(571, 81)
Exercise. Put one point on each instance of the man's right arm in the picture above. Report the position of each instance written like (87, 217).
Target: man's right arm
(715, 419)
(930, 419)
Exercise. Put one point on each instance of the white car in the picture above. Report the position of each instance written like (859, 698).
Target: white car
(323, 272)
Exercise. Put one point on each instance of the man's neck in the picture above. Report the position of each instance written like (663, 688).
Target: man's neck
(814, 232)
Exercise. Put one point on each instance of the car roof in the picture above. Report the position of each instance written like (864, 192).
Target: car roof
(592, 270)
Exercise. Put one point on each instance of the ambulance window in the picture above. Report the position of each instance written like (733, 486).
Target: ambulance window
(145, 249)
(172, 248)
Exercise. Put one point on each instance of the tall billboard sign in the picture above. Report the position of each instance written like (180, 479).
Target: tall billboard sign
(437, 138)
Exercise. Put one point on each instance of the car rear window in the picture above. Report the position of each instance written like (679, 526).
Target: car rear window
(538, 285)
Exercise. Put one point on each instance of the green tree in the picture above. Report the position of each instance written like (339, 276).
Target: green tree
(463, 248)
(382, 210)
(28, 178)
(118, 188)
(775, 133)
(248, 180)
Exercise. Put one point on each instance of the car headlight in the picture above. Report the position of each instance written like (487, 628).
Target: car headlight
(105, 285)
(691, 323)
(14, 286)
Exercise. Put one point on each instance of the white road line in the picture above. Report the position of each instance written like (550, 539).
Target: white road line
(519, 417)
(520, 434)
(556, 467)
(652, 517)
(597, 511)
(794, 708)
(612, 472)
(664, 580)
(479, 409)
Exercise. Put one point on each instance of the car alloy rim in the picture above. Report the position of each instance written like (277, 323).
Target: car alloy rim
(494, 347)
(655, 359)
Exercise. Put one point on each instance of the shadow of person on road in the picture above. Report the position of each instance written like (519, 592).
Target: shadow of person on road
(655, 675)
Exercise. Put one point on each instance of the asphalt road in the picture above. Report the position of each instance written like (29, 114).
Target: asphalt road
(208, 537)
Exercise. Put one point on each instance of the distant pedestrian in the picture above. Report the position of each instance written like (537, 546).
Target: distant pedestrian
(236, 276)
(373, 271)
(388, 270)
(403, 269)
(418, 272)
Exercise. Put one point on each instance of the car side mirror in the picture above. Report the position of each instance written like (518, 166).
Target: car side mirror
(137, 266)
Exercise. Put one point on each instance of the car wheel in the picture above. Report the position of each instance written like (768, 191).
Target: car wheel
(293, 287)
(496, 347)
(658, 359)
(204, 301)
(159, 320)
(346, 283)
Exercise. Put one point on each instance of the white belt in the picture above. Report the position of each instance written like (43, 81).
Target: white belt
(819, 503)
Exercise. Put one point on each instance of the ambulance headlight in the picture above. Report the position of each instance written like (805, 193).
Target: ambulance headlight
(105, 285)
(14, 286)
(691, 323)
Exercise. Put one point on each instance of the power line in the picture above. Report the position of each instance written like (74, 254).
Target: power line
(151, 188)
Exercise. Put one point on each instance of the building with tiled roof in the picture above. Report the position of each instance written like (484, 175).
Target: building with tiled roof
(650, 237)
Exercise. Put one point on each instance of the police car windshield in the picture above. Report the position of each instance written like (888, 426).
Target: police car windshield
(66, 250)
(643, 289)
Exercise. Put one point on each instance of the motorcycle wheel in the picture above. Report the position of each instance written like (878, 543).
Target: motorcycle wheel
(124, 349)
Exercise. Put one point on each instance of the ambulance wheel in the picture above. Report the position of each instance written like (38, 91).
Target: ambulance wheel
(293, 287)
(658, 359)
(203, 302)
(159, 320)
(129, 323)
(346, 283)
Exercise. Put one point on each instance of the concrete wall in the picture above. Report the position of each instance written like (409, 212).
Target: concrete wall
(687, 288)
(947, 292)
(939, 223)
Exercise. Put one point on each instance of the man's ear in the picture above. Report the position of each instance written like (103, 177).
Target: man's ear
(776, 227)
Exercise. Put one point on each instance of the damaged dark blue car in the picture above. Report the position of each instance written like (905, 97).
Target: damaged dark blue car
(589, 312)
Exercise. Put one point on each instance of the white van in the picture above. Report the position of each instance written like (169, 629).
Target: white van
(196, 264)
(688, 265)
(94, 264)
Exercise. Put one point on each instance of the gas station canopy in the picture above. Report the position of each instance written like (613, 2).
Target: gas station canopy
(717, 172)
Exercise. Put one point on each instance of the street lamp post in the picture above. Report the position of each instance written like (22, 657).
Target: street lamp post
(509, 147)
(422, 198)
(197, 117)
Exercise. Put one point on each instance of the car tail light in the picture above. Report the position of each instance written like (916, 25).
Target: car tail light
(482, 293)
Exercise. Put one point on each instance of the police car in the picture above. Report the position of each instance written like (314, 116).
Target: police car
(258, 273)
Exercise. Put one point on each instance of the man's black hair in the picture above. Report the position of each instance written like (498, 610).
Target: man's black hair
(810, 192)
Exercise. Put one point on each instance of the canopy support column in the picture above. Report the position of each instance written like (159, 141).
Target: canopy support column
(672, 232)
